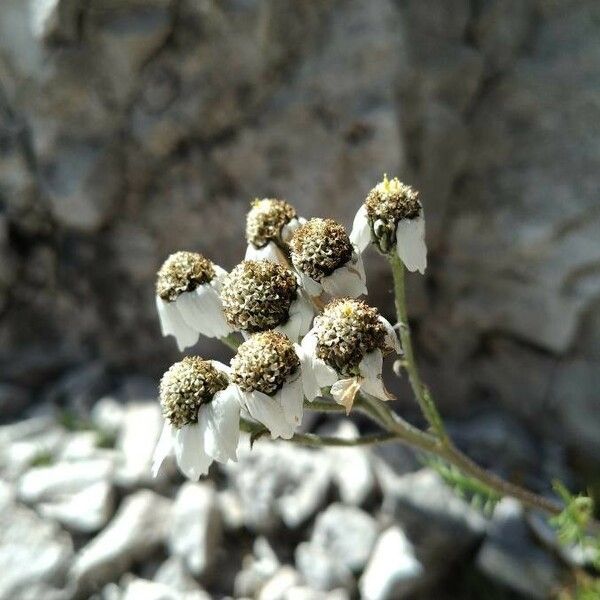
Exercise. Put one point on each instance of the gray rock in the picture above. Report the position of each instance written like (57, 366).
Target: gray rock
(258, 569)
(306, 593)
(141, 429)
(174, 574)
(321, 569)
(34, 554)
(195, 530)
(352, 472)
(393, 571)
(510, 556)
(62, 479)
(108, 415)
(278, 586)
(441, 525)
(136, 531)
(279, 482)
(142, 589)
(347, 533)
(85, 511)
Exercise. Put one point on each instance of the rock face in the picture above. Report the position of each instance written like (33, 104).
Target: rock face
(128, 133)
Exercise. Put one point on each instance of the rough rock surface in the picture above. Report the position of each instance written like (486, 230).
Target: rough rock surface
(129, 132)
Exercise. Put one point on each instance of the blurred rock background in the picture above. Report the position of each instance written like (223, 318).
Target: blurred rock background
(133, 128)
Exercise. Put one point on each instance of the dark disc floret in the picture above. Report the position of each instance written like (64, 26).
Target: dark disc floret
(186, 386)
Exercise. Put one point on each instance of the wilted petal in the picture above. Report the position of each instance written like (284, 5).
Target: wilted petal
(172, 323)
(269, 412)
(291, 398)
(410, 243)
(391, 335)
(370, 369)
(219, 421)
(270, 251)
(189, 451)
(360, 235)
(163, 448)
(344, 391)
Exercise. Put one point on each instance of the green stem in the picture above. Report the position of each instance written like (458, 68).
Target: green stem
(420, 391)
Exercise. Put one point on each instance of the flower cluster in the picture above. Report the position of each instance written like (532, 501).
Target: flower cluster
(294, 302)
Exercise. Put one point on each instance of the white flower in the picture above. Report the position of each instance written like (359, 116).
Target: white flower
(344, 350)
(270, 224)
(262, 295)
(326, 260)
(201, 413)
(187, 299)
(392, 216)
(268, 375)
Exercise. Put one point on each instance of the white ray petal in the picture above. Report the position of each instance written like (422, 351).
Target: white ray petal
(370, 369)
(316, 374)
(219, 421)
(270, 251)
(202, 309)
(300, 319)
(391, 335)
(189, 451)
(288, 229)
(268, 411)
(172, 323)
(344, 391)
(312, 287)
(163, 448)
(291, 399)
(219, 366)
(410, 243)
(309, 381)
(346, 281)
(360, 235)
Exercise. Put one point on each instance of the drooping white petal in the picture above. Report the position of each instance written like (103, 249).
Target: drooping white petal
(391, 335)
(291, 399)
(202, 310)
(189, 451)
(269, 412)
(288, 229)
(348, 280)
(219, 421)
(163, 448)
(219, 366)
(217, 280)
(410, 243)
(300, 319)
(270, 251)
(360, 235)
(172, 323)
(312, 287)
(316, 374)
(344, 391)
(370, 369)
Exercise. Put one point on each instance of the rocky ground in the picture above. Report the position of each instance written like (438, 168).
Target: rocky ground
(81, 516)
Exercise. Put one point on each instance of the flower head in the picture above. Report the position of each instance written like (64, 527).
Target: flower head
(183, 272)
(262, 295)
(266, 219)
(322, 253)
(187, 298)
(201, 412)
(186, 386)
(392, 218)
(344, 350)
(267, 372)
(264, 362)
(346, 331)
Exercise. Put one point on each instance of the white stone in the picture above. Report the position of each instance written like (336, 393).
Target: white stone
(64, 478)
(232, 512)
(86, 511)
(108, 415)
(142, 425)
(279, 584)
(195, 529)
(138, 528)
(174, 574)
(346, 532)
(351, 471)
(32, 551)
(393, 570)
(321, 569)
(142, 589)
(258, 568)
